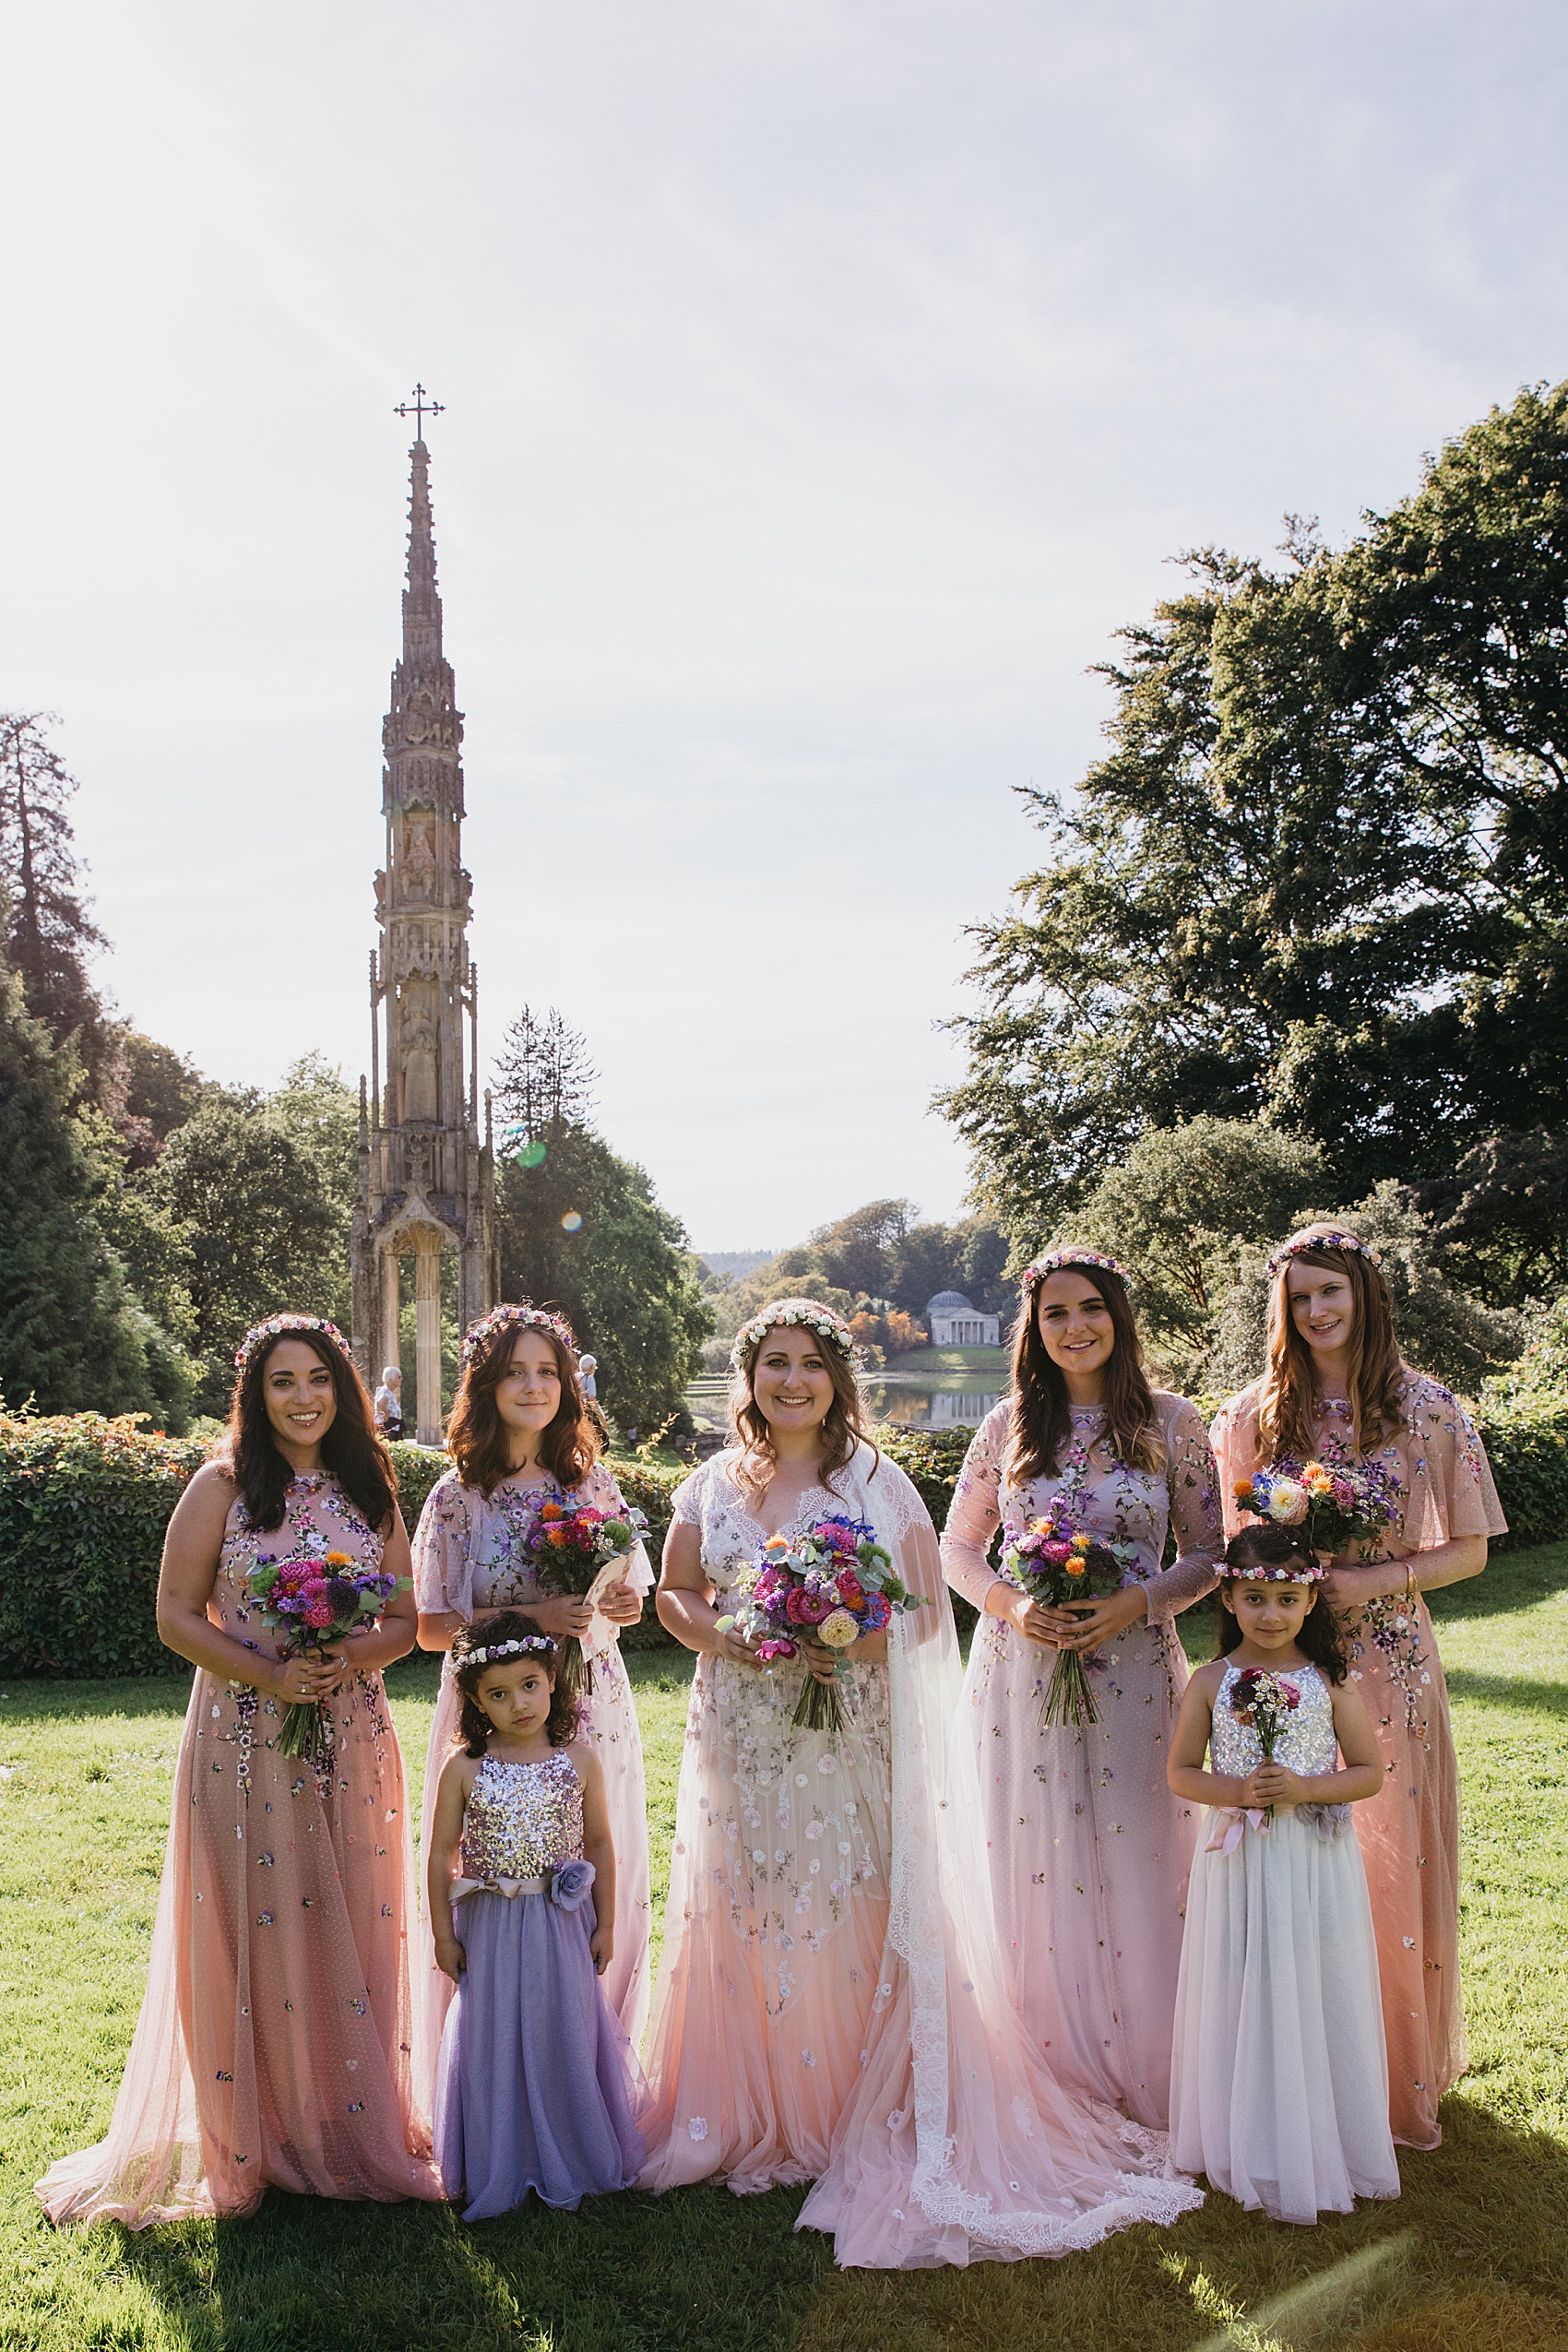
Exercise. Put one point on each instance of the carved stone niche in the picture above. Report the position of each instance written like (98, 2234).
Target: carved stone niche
(417, 1049)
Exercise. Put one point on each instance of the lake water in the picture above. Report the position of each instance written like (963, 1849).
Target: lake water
(909, 1403)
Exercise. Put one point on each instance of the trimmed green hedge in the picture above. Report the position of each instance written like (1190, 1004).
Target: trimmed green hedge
(84, 1502)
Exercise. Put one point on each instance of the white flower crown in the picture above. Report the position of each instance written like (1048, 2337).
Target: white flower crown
(786, 1313)
(1071, 1253)
(1330, 1240)
(509, 1649)
(261, 1335)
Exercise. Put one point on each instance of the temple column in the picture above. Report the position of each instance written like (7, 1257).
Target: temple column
(427, 1337)
(391, 1338)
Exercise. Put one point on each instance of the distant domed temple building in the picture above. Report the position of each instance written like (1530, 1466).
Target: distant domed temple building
(955, 1323)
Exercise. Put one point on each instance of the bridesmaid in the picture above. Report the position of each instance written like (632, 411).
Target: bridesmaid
(274, 2042)
(520, 1432)
(778, 1881)
(1089, 1850)
(1338, 1389)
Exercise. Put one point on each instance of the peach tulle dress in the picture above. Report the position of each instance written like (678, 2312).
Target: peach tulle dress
(829, 2002)
(274, 2045)
(1089, 1850)
(465, 1557)
(1409, 1835)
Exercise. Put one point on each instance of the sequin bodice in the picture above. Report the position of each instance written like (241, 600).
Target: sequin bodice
(1306, 1745)
(522, 1819)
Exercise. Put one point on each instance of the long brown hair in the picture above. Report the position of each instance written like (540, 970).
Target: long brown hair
(474, 1726)
(353, 1448)
(1042, 1414)
(1292, 1398)
(476, 1434)
(842, 1428)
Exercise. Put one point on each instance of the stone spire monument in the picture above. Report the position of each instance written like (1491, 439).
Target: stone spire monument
(426, 1182)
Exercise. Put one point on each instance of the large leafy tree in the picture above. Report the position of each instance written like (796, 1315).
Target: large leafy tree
(73, 1334)
(581, 1230)
(1320, 873)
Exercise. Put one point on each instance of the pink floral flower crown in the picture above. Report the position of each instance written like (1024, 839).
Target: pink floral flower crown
(1302, 1570)
(785, 1313)
(526, 1318)
(1330, 1240)
(262, 1334)
(1071, 1253)
(509, 1649)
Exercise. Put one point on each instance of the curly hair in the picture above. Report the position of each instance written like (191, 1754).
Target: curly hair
(842, 1430)
(476, 1434)
(475, 1729)
(353, 1448)
(1042, 1414)
(1291, 1397)
(1275, 1547)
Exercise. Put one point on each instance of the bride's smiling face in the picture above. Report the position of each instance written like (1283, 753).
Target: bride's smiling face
(791, 1380)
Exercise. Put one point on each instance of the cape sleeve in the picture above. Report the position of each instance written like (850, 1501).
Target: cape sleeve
(1237, 1454)
(607, 1495)
(976, 1512)
(442, 1550)
(1193, 1485)
(1452, 1491)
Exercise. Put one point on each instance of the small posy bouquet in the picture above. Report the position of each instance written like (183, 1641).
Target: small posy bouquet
(1266, 1702)
(578, 1550)
(1056, 1563)
(1335, 1505)
(314, 1599)
(830, 1585)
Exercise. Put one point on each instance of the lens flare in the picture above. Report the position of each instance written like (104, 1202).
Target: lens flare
(570, 1222)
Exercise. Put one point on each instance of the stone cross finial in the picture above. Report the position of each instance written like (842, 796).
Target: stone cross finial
(419, 407)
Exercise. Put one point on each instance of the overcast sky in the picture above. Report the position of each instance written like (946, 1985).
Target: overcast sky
(826, 383)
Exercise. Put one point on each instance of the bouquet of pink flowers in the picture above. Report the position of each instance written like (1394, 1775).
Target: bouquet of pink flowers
(314, 1599)
(1266, 1702)
(829, 1584)
(1056, 1563)
(575, 1548)
(1335, 1505)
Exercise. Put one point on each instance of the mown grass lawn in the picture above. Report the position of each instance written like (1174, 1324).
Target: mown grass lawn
(1473, 2258)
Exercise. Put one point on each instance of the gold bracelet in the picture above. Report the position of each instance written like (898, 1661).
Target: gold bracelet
(1411, 1587)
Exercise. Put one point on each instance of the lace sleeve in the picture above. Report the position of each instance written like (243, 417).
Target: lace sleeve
(976, 1512)
(443, 1567)
(1234, 1438)
(1193, 1484)
(685, 1503)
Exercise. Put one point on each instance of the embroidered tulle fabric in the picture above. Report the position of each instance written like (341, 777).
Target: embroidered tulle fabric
(955, 2144)
(1409, 1835)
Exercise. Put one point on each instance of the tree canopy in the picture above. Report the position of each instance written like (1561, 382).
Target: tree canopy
(1323, 872)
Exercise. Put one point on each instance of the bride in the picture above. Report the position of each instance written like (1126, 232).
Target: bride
(829, 2004)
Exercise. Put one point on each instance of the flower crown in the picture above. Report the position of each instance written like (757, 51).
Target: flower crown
(788, 1311)
(1302, 1570)
(526, 1319)
(262, 1334)
(1071, 1253)
(509, 1649)
(1330, 1240)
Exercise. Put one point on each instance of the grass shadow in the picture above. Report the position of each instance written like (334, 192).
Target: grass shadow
(1510, 1580)
(1509, 1691)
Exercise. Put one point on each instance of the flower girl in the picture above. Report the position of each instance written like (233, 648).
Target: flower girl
(1279, 2077)
(534, 2089)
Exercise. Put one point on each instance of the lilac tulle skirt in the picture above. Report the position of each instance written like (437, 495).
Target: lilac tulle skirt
(535, 2087)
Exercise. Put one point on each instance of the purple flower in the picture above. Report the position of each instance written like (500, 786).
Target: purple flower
(569, 1884)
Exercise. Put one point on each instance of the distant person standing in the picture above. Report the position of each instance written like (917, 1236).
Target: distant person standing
(587, 1367)
(389, 1403)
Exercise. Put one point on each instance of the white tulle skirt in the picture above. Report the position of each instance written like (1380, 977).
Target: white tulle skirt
(1279, 2077)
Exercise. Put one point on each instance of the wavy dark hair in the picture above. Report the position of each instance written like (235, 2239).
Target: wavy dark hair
(1291, 1398)
(353, 1448)
(1268, 1545)
(1042, 1414)
(842, 1428)
(474, 1728)
(476, 1434)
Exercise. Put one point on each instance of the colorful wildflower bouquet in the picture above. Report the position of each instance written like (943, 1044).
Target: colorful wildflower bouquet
(828, 1586)
(1056, 1563)
(314, 1599)
(1335, 1505)
(576, 1549)
(1266, 1702)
